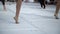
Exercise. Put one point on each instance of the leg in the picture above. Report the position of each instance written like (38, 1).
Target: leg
(43, 2)
(43, 5)
(18, 7)
(57, 10)
(3, 2)
(40, 3)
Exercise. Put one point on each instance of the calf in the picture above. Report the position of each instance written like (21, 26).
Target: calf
(57, 8)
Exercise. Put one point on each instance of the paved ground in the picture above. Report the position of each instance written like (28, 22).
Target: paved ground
(32, 20)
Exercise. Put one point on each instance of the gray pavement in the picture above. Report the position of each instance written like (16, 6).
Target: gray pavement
(32, 20)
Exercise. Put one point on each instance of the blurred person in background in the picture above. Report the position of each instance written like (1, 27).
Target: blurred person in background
(3, 2)
(42, 2)
(26, 0)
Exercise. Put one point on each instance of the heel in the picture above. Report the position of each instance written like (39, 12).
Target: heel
(16, 20)
(56, 17)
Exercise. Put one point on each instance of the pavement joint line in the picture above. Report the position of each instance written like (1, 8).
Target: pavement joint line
(33, 25)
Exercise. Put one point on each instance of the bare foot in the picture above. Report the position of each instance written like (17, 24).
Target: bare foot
(16, 20)
(56, 17)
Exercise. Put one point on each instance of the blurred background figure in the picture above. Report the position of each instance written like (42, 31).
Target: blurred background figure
(51, 1)
(57, 9)
(3, 2)
(26, 0)
(35, 0)
(42, 2)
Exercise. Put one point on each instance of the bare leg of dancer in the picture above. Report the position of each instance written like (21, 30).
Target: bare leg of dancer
(57, 11)
(18, 7)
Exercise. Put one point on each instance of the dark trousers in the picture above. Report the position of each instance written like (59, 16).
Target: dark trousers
(3, 2)
(42, 2)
